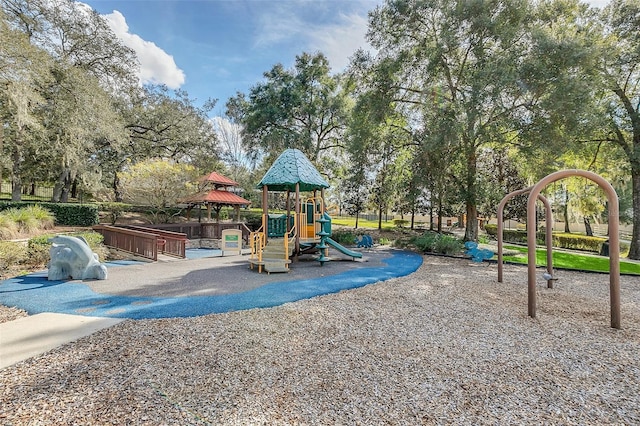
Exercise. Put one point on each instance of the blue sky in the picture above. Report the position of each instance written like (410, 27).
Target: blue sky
(214, 48)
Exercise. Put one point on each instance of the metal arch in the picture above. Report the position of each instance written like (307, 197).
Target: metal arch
(614, 237)
(548, 231)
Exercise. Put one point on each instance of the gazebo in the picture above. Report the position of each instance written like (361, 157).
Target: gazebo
(217, 197)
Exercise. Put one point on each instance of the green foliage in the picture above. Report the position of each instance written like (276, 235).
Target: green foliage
(569, 260)
(11, 254)
(114, 210)
(432, 242)
(271, 114)
(38, 247)
(400, 223)
(65, 214)
(560, 240)
(253, 220)
(74, 214)
(491, 230)
(30, 218)
(26, 219)
(8, 228)
(158, 184)
(343, 236)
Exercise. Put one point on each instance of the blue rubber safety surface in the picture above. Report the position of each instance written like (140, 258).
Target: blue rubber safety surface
(35, 294)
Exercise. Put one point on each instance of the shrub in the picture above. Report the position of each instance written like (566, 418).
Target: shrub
(343, 236)
(400, 223)
(39, 246)
(432, 242)
(74, 214)
(24, 221)
(8, 228)
(114, 210)
(11, 254)
(253, 221)
(491, 230)
(447, 244)
(427, 241)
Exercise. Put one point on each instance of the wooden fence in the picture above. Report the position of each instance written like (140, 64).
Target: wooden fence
(168, 242)
(138, 243)
(196, 230)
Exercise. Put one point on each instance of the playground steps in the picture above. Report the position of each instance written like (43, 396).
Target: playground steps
(274, 257)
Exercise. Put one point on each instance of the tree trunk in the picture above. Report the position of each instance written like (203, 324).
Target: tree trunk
(440, 215)
(567, 229)
(16, 172)
(357, 217)
(74, 189)
(587, 227)
(59, 185)
(634, 249)
(117, 193)
(471, 228)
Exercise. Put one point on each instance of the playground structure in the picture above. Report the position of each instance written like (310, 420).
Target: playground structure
(614, 238)
(306, 229)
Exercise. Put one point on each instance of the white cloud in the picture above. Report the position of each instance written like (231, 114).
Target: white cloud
(340, 40)
(337, 38)
(156, 65)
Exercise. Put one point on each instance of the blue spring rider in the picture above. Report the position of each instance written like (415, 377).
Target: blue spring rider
(364, 241)
(477, 254)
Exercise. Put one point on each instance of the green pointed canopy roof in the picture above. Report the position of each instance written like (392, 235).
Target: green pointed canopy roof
(290, 168)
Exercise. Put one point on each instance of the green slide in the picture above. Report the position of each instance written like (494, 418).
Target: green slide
(343, 249)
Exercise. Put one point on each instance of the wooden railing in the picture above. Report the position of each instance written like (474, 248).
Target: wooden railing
(257, 241)
(196, 230)
(169, 243)
(138, 243)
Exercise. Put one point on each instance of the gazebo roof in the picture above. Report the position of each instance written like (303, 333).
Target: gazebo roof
(215, 196)
(218, 180)
(292, 167)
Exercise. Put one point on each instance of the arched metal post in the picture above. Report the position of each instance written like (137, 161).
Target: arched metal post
(548, 232)
(614, 237)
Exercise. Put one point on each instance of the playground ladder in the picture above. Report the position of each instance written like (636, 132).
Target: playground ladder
(272, 256)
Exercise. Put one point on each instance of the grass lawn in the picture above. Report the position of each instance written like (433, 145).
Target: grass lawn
(362, 223)
(567, 260)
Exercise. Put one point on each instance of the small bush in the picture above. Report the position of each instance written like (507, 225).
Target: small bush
(25, 222)
(8, 228)
(344, 237)
(427, 241)
(253, 221)
(11, 254)
(114, 210)
(432, 242)
(447, 244)
(400, 223)
(38, 247)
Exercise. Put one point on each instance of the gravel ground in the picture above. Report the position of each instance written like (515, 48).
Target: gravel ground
(445, 345)
(11, 313)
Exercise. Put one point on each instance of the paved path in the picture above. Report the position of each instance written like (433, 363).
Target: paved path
(63, 311)
(36, 334)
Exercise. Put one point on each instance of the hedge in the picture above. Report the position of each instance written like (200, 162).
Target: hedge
(66, 214)
(561, 240)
